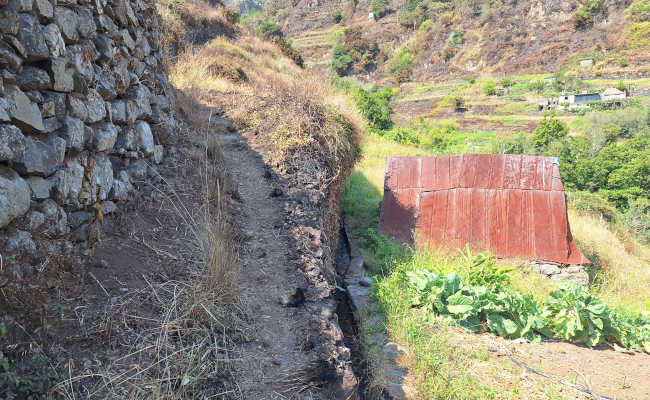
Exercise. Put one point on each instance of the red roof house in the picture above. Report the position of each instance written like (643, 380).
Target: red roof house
(512, 205)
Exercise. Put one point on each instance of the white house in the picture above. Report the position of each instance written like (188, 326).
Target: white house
(612, 93)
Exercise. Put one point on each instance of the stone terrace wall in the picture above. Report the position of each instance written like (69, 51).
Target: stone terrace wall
(84, 101)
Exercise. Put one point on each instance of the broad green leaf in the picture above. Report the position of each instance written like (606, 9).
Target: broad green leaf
(509, 326)
(459, 308)
(597, 308)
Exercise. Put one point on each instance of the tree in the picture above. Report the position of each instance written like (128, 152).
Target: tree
(549, 130)
(489, 89)
(378, 8)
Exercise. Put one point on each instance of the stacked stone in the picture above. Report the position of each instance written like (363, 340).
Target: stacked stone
(83, 91)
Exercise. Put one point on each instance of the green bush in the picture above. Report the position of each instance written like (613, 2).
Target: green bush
(341, 60)
(506, 82)
(270, 29)
(286, 47)
(374, 104)
(622, 62)
(337, 17)
(425, 24)
(640, 10)
(400, 65)
(514, 144)
(536, 86)
(620, 85)
(489, 88)
(378, 8)
(593, 204)
(549, 129)
(586, 16)
(457, 37)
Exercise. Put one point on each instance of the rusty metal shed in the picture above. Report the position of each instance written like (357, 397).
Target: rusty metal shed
(511, 205)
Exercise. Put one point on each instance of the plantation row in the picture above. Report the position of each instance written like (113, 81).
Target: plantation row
(482, 301)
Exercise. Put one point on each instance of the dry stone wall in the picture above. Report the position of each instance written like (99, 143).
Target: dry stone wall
(84, 106)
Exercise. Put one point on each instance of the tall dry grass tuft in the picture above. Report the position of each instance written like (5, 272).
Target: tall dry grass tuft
(622, 264)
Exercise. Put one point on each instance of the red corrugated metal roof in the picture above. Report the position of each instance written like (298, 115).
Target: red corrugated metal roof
(511, 205)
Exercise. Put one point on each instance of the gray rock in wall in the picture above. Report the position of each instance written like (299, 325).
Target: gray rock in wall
(41, 157)
(104, 137)
(33, 78)
(73, 132)
(14, 196)
(59, 103)
(62, 76)
(144, 137)
(100, 180)
(8, 58)
(8, 21)
(44, 10)
(86, 26)
(104, 46)
(96, 107)
(12, 143)
(30, 35)
(68, 181)
(77, 107)
(40, 187)
(54, 40)
(23, 112)
(21, 240)
(68, 22)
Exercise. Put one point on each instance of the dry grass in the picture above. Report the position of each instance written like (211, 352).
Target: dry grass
(277, 98)
(624, 276)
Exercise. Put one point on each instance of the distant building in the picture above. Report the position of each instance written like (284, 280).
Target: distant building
(612, 94)
(578, 98)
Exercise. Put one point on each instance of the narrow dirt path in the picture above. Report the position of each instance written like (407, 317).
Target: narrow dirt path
(275, 364)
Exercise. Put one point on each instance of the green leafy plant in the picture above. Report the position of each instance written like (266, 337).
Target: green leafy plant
(549, 129)
(484, 270)
(620, 85)
(622, 62)
(337, 17)
(506, 82)
(577, 315)
(378, 8)
(341, 60)
(400, 65)
(489, 88)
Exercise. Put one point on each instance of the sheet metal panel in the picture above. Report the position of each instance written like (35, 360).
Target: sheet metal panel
(512, 205)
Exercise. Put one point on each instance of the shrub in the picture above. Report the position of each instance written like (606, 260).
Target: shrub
(471, 81)
(506, 82)
(549, 129)
(337, 17)
(593, 204)
(622, 62)
(536, 86)
(270, 29)
(640, 10)
(400, 65)
(286, 47)
(621, 86)
(637, 218)
(341, 60)
(374, 104)
(515, 144)
(232, 15)
(425, 24)
(457, 37)
(378, 8)
(489, 89)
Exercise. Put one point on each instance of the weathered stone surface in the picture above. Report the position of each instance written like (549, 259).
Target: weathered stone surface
(44, 10)
(86, 25)
(68, 22)
(54, 40)
(104, 137)
(39, 187)
(12, 143)
(158, 151)
(122, 187)
(51, 125)
(77, 218)
(105, 84)
(144, 137)
(14, 196)
(73, 132)
(549, 269)
(31, 37)
(23, 113)
(96, 107)
(34, 79)
(49, 208)
(127, 40)
(22, 240)
(138, 170)
(4, 104)
(62, 76)
(118, 111)
(105, 47)
(8, 58)
(77, 107)
(108, 207)
(48, 109)
(41, 158)
(34, 220)
(81, 62)
(35, 96)
(100, 180)
(106, 24)
(59, 101)
(15, 43)
(68, 181)
(8, 21)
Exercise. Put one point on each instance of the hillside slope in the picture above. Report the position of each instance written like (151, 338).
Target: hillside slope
(458, 39)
